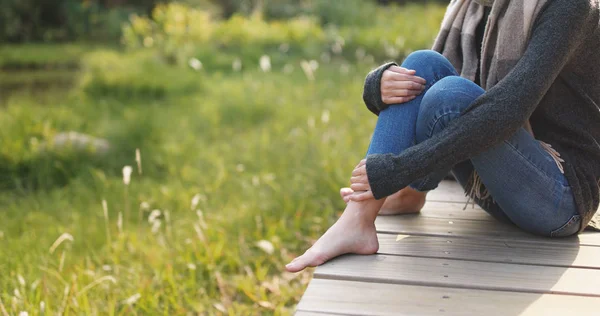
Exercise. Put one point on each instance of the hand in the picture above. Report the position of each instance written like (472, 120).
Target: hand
(360, 182)
(400, 85)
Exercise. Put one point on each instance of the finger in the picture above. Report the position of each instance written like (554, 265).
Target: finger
(403, 77)
(359, 171)
(402, 70)
(362, 163)
(359, 179)
(360, 187)
(408, 85)
(401, 93)
(397, 100)
(358, 197)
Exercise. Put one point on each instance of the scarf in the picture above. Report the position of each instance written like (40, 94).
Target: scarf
(507, 33)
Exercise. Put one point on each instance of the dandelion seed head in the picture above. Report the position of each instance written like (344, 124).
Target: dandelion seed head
(127, 174)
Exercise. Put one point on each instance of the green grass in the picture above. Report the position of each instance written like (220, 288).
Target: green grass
(264, 155)
(39, 55)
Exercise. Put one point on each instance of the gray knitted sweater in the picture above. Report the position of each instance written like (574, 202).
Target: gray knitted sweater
(556, 84)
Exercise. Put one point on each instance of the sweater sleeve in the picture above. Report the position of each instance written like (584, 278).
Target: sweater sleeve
(372, 89)
(501, 111)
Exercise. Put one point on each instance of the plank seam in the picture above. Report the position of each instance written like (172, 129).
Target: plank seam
(325, 276)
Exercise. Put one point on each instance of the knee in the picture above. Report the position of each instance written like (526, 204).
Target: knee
(429, 64)
(443, 102)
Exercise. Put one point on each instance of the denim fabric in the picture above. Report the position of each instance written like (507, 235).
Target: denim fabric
(525, 185)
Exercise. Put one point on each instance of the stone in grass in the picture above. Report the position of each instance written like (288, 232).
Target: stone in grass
(81, 142)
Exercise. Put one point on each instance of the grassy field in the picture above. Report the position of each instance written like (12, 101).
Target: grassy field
(238, 172)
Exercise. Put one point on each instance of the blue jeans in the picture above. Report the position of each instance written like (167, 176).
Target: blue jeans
(525, 185)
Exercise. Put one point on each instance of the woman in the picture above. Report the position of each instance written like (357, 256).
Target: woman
(510, 106)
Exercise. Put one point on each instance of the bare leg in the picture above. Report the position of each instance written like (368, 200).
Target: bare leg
(354, 232)
(405, 201)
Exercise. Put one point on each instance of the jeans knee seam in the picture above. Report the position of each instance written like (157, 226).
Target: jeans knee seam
(437, 120)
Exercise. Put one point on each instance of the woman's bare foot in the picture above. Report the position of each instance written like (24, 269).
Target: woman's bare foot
(354, 232)
(405, 201)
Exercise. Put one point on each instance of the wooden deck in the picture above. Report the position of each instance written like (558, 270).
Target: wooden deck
(450, 261)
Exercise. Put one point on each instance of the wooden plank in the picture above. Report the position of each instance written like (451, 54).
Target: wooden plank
(363, 298)
(448, 191)
(452, 211)
(419, 225)
(490, 251)
(462, 274)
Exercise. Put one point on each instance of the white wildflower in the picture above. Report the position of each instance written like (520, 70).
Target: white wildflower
(106, 268)
(191, 266)
(42, 307)
(35, 284)
(314, 65)
(21, 280)
(60, 240)
(236, 65)
(195, 201)
(308, 70)
(156, 226)
(138, 160)
(266, 246)
(325, 116)
(153, 216)
(127, 174)
(220, 307)
(17, 293)
(195, 64)
(265, 63)
(132, 299)
(22, 313)
(144, 205)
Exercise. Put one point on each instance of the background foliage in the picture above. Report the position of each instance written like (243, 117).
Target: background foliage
(247, 119)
